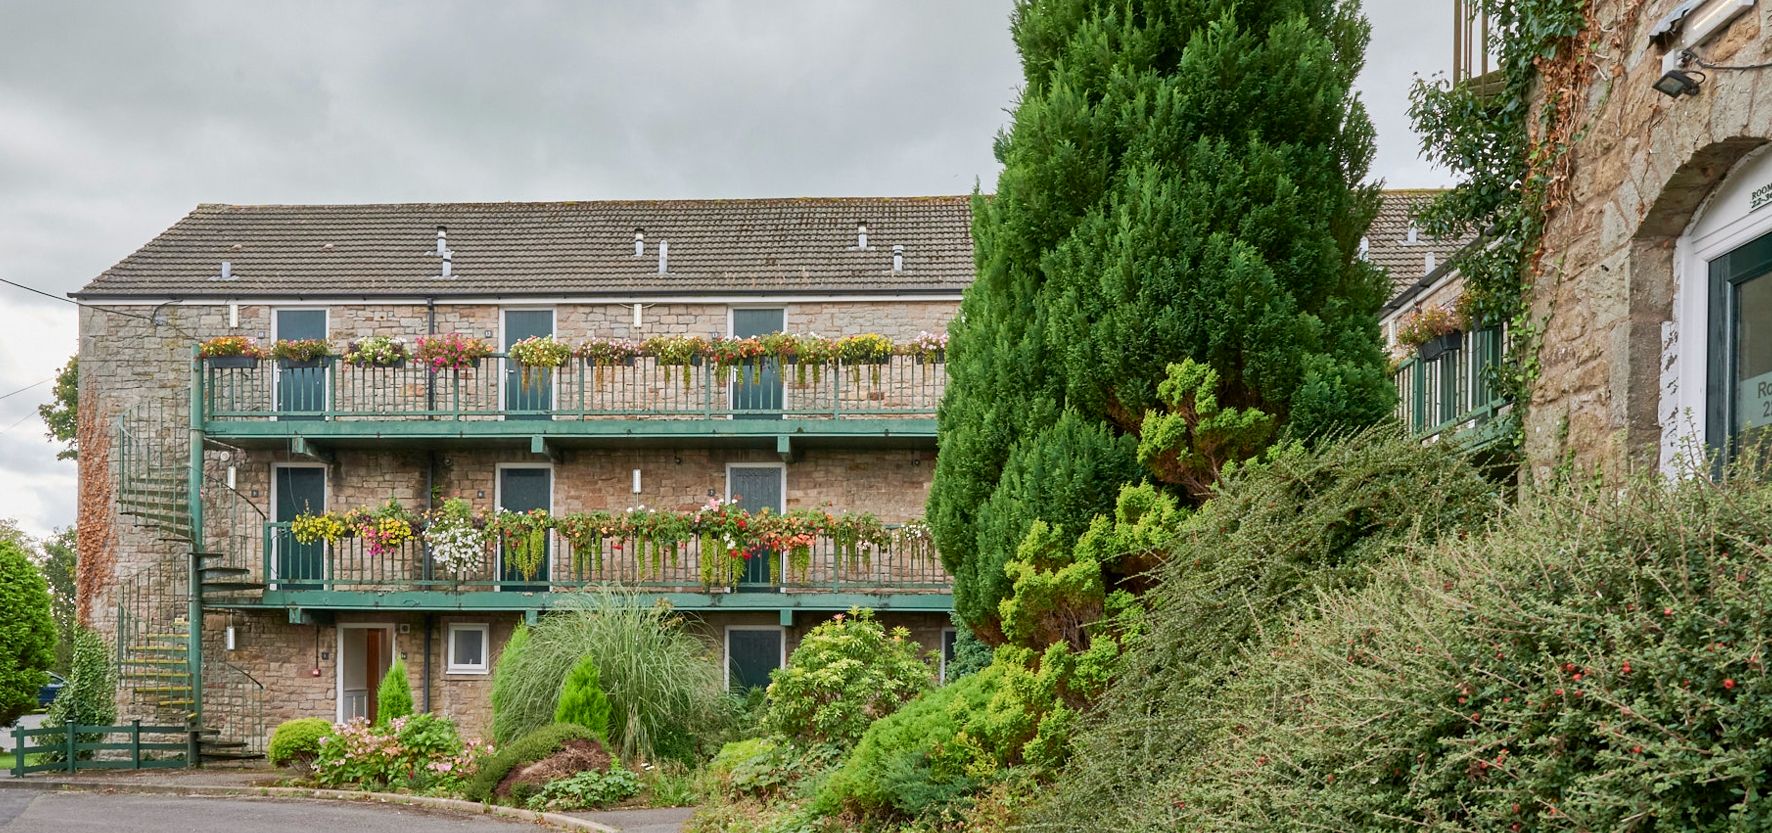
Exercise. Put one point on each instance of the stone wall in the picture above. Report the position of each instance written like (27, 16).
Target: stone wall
(1641, 167)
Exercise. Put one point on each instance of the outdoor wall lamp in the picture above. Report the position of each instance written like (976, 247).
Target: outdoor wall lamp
(1676, 82)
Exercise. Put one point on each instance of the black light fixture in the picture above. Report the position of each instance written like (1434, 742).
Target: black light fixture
(1677, 82)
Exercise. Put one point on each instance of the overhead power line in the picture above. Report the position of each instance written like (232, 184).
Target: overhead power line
(28, 387)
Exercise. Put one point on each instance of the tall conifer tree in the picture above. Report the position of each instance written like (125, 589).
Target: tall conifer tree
(1182, 183)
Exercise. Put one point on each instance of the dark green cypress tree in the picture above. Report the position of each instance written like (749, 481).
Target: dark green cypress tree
(1182, 183)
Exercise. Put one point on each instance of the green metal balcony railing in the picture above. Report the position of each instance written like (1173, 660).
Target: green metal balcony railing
(906, 562)
(904, 387)
(1453, 392)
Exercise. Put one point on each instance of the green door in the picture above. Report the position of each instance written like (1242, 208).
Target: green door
(756, 488)
(300, 489)
(757, 394)
(1740, 407)
(524, 490)
(530, 391)
(301, 391)
(750, 656)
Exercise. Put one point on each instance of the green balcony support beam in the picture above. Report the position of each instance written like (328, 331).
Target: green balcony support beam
(787, 617)
(540, 447)
(301, 446)
(784, 445)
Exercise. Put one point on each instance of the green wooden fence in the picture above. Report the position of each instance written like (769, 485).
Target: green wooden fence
(75, 747)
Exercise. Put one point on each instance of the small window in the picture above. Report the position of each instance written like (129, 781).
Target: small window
(467, 649)
(948, 636)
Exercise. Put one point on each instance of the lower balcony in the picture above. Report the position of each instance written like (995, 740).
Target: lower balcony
(896, 570)
(1449, 393)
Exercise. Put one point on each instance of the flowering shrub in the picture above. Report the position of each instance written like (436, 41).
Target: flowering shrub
(376, 351)
(301, 349)
(423, 752)
(225, 346)
(846, 674)
(457, 543)
(1428, 324)
(453, 351)
(540, 351)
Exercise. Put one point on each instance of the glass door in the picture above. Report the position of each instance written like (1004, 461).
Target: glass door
(756, 488)
(298, 490)
(529, 393)
(524, 490)
(301, 389)
(757, 393)
(1740, 390)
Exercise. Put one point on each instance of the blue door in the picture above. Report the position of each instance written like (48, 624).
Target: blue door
(758, 390)
(530, 390)
(524, 490)
(300, 490)
(756, 488)
(301, 391)
(750, 656)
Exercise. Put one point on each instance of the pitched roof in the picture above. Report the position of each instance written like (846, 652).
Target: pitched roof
(553, 248)
(1387, 241)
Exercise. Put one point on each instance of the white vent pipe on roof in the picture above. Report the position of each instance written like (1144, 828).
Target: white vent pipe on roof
(639, 242)
(1414, 234)
(443, 251)
(664, 256)
(1431, 263)
(227, 270)
(861, 235)
(898, 258)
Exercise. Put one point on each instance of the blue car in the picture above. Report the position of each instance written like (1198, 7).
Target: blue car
(47, 693)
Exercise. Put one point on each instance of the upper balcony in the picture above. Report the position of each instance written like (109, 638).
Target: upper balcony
(758, 402)
(1445, 390)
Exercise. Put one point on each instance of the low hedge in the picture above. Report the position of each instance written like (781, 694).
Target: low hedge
(527, 749)
(297, 742)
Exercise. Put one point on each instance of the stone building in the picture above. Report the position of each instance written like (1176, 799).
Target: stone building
(1652, 292)
(206, 464)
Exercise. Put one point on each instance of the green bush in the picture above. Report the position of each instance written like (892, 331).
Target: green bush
(582, 700)
(755, 767)
(90, 695)
(667, 698)
(27, 632)
(1278, 537)
(393, 698)
(846, 673)
(527, 749)
(587, 790)
(421, 752)
(912, 763)
(297, 742)
(1595, 662)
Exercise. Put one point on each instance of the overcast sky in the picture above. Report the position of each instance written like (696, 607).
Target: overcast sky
(116, 118)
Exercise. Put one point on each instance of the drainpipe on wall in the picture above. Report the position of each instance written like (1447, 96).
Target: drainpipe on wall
(430, 624)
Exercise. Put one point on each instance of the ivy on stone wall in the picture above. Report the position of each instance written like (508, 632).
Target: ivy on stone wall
(1507, 138)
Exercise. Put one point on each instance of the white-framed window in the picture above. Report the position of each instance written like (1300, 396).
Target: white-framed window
(469, 647)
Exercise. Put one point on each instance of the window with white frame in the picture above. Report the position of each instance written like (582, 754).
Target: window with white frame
(467, 648)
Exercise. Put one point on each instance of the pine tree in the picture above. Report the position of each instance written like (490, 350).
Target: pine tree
(583, 701)
(393, 698)
(1182, 181)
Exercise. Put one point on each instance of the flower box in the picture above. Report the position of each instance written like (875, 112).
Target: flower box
(303, 364)
(591, 361)
(1440, 345)
(233, 361)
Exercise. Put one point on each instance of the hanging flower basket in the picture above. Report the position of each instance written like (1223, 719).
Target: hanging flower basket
(231, 351)
(1440, 345)
(302, 353)
(233, 361)
(377, 351)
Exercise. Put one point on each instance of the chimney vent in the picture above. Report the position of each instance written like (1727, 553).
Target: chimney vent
(227, 271)
(664, 255)
(639, 242)
(1431, 263)
(898, 258)
(1414, 234)
(443, 251)
(861, 235)
(1365, 247)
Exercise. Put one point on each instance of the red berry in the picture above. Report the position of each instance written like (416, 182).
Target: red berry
(1729, 683)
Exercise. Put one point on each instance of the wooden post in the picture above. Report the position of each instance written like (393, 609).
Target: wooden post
(18, 745)
(135, 743)
(192, 759)
(70, 744)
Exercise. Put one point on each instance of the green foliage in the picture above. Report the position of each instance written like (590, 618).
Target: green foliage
(90, 695)
(61, 414)
(667, 697)
(582, 700)
(845, 674)
(297, 742)
(27, 632)
(754, 767)
(588, 790)
(61, 558)
(527, 749)
(914, 762)
(971, 655)
(393, 698)
(1595, 661)
(1194, 438)
(1277, 538)
(421, 752)
(506, 705)
(1182, 181)
(1485, 137)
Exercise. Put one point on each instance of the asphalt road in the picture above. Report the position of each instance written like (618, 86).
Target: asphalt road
(34, 811)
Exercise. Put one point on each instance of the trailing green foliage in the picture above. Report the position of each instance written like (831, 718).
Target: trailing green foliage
(667, 697)
(914, 762)
(1277, 538)
(1595, 661)
(527, 749)
(1484, 134)
(393, 698)
(296, 742)
(845, 674)
(588, 790)
(582, 700)
(27, 632)
(90, 695)
(1182, 182)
